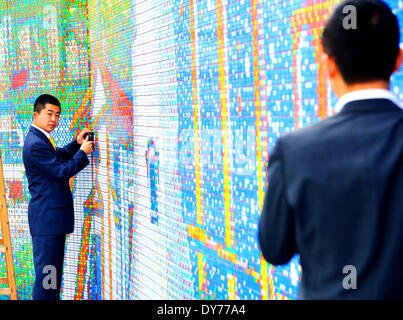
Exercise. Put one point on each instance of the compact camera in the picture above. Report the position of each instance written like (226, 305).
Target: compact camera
(90, 135)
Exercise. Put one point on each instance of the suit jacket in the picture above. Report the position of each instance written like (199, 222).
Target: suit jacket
(51, 210)
(335, 196)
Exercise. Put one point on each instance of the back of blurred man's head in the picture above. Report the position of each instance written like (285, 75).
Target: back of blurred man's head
(367, 51)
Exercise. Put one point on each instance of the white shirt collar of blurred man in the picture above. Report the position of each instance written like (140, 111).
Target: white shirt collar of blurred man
(365, 95)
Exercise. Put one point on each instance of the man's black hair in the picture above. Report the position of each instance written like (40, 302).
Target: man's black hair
(369, 52)
(44, 99)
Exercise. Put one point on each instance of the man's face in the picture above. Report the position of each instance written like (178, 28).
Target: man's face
(48, 118)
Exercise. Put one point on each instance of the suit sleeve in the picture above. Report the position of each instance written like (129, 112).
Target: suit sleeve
(276, 226)
(68, 151)
(47, 162)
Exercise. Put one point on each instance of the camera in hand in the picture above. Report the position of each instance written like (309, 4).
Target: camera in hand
(90, 135)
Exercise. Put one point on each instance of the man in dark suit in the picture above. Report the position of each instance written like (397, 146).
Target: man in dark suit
(335, 188)
(50, 210)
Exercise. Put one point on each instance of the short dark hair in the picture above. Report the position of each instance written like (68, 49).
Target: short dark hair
(368, 52)
(44, 99)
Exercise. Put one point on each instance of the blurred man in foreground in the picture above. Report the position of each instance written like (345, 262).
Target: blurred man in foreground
(335, 188)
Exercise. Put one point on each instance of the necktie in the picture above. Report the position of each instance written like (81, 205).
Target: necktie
(52, 142)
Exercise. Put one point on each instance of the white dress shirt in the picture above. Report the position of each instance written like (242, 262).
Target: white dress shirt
(44, 132)
(365, 95)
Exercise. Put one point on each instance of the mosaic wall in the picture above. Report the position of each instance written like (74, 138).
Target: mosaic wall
(187, 99)
(43, 48)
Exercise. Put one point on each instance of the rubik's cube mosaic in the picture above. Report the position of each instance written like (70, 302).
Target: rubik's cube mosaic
(187, 99)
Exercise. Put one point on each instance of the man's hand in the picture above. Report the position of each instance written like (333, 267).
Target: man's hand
(87, 146)
(80, 138)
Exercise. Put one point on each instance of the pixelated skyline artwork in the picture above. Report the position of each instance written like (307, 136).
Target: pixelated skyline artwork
(187, 99)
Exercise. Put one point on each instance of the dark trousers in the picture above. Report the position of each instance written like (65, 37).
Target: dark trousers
(48, 253)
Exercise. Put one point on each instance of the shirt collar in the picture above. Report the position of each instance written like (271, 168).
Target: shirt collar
(366, 95)
(43, 131)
